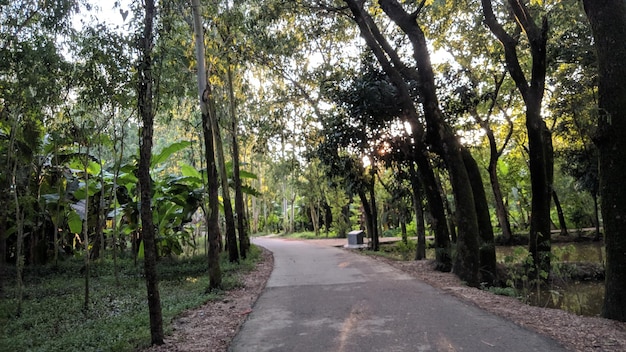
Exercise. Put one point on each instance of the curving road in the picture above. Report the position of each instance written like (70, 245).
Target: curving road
(327, 299)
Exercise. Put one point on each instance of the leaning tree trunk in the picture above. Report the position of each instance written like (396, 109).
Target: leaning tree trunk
(487, 247)
(205, 99)
(229, 217)
(559, 211)
(396, 70)
(146, 111)
(596, 212)
(608, 24)
(446, 143)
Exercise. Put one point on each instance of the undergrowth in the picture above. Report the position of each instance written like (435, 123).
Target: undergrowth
(53, 318)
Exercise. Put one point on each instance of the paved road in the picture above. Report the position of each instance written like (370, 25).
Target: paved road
(320, 298)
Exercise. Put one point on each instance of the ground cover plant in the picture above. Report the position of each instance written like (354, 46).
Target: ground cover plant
(53, 318)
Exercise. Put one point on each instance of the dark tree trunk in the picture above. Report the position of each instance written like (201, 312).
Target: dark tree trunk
(146, 111)
(405, 237)
(229, 217)
(539, 137)
(540, 155)
(450, 214)
(242, 220)
(559, 211)
(425, 172)
(488, 273)
(214, 238)
(3, 249)
(419, 214)
(596, 212)
(315, 219)
(213, 211)
(608, 24)
(369, 222)
(374, 209)
(502, 212)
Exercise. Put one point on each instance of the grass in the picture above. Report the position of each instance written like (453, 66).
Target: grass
(53, 318)
(308, 235)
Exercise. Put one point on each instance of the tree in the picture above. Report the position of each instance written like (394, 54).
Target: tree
(438, 133)
(145, 95)
(539, 136)
(207, 109)
(608, 24)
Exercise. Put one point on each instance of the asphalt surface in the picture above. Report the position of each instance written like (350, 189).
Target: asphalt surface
(320, 298)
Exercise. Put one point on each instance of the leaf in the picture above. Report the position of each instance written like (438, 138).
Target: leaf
(93, 168)
(250, 191)
(140, 253)
(168, 151)
(74, 222)
(51, 198)
(190, 171)
(247, 174)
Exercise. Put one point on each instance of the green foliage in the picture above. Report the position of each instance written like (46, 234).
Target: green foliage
(53, 319)
(397, 250)
(502, 291)
(308, 235)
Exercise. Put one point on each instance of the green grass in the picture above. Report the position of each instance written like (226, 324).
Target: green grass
(308, 235)
(53, 319)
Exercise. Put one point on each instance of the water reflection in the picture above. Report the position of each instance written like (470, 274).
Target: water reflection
(592, 252)
(583, 298)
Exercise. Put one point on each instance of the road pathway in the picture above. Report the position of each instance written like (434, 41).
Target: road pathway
(320, 298)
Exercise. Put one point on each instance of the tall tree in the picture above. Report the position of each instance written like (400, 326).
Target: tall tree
(394, 68)
(146, 109)
(539, 136)
(608, 23)
(470, 210)
(205, 98)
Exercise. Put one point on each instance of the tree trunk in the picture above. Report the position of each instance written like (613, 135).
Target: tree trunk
(374, 208)
(596, 212)
(450, 214)
(384, 52)
(146, 111)
(540, 155)
(242, 220)
(416, 188)
(608, 24)
(367, 210)
(229, 218)
(445, 143)
(3, 248)
(212, 213)
(86, 233)
(315, 219)
(19, 222)
(539, 137)
(559, 211)
(502, 212)
(488, 272)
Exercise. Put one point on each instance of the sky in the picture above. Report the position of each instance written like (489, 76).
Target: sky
(110, 12)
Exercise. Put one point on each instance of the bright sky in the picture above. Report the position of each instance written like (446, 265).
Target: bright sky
(111, 12)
